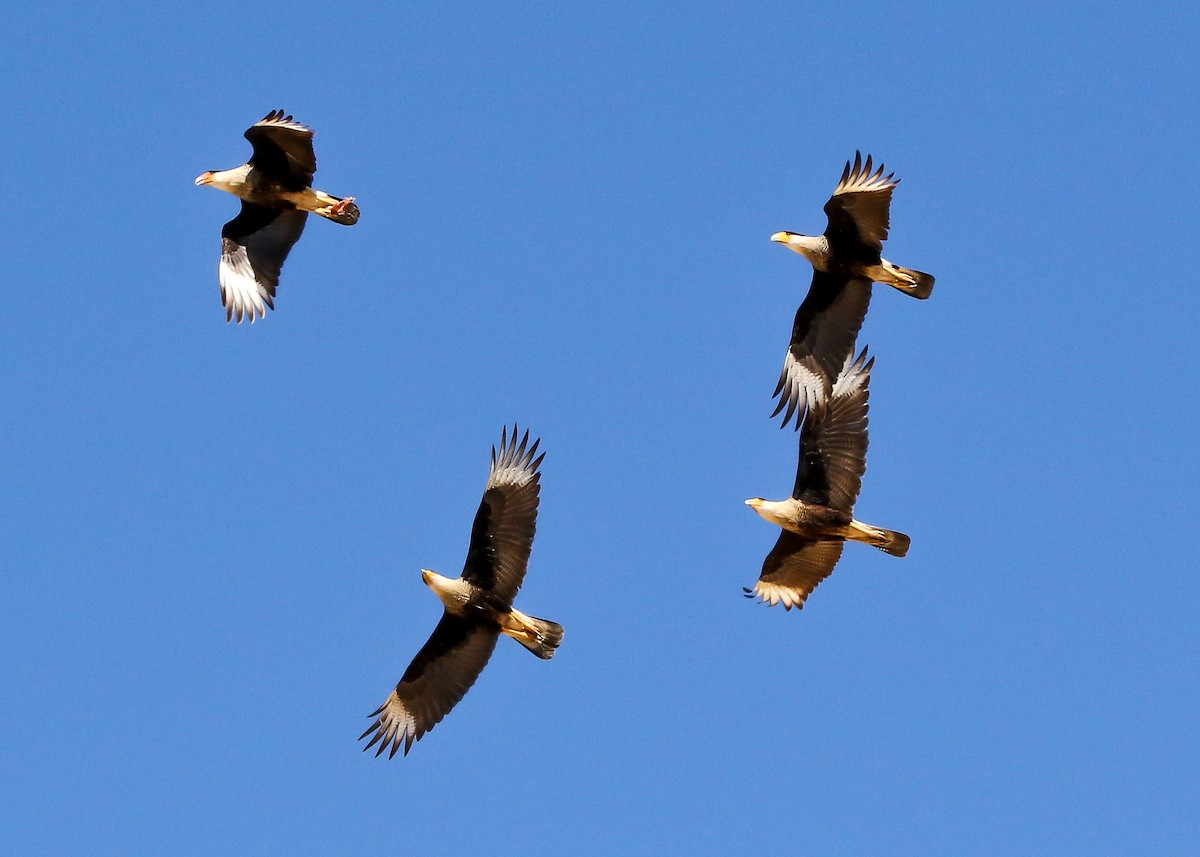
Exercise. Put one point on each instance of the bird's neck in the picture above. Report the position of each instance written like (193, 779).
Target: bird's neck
(814, 248)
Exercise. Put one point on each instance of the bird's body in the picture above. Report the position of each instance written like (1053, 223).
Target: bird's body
(478, 606)
(257, 187)
(821, 523)
(465, 600)
(818, 518)
(855, 262)
(805, 519)
(276, 191)
(846, 260)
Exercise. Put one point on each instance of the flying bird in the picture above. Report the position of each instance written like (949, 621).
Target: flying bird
(478, 605)
(845, 260)
(818, 519)
(276, 191)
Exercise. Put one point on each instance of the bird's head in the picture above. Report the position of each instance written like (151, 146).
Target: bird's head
(449, 590)
(437, 582)
(227, 180)
(805, 245)
(772, 510)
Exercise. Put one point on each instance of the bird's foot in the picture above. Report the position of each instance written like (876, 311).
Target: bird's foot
(343, 211)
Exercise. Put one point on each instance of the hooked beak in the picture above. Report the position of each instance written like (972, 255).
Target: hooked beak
(754, 502)
(204, 178)
(778, 237)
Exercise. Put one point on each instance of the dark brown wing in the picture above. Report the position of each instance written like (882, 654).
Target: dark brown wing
(794, 568)
(254, 246)
(283, 150)
(823, 336)
(833, 442)
(438, 677)
(502, 535)
(859, 212)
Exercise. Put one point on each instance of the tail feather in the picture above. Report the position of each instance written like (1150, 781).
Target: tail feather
(540, 636)
(922, 283)
(888, 541)
(908, 280)
(893, 543)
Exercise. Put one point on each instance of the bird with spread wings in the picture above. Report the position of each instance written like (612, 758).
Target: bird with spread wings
(477, 606)
(818, 519)
(846, 260)
(276, 191)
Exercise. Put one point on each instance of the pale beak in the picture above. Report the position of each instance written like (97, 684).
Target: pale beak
(754, 502)
(778, 237)
(206, 178)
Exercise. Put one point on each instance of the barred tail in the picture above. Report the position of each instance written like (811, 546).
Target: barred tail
(908, 280)
(540, 636)
(888, 541)
(893, 543)
(922, 283)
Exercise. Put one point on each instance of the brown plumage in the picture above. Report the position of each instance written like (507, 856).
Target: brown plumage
(846, 260)
(818, 518)
(276, 191)
(478, 605)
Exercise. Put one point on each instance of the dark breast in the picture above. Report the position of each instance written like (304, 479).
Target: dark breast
(263, 190)
(818, 521)
(851, 258)
(485, 608)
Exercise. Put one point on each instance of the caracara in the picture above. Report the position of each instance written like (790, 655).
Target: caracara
(817, 520)
(845, 262)
(478, 605)
(276, 191)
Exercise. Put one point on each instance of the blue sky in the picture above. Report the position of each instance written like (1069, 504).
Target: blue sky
(212, 533)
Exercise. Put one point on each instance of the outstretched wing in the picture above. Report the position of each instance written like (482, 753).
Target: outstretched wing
(254, 246)
(823, 336)
(438, 677)
(859, 211)
(502, 535)
(833, 441)
(283, 150)
(794, 568)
